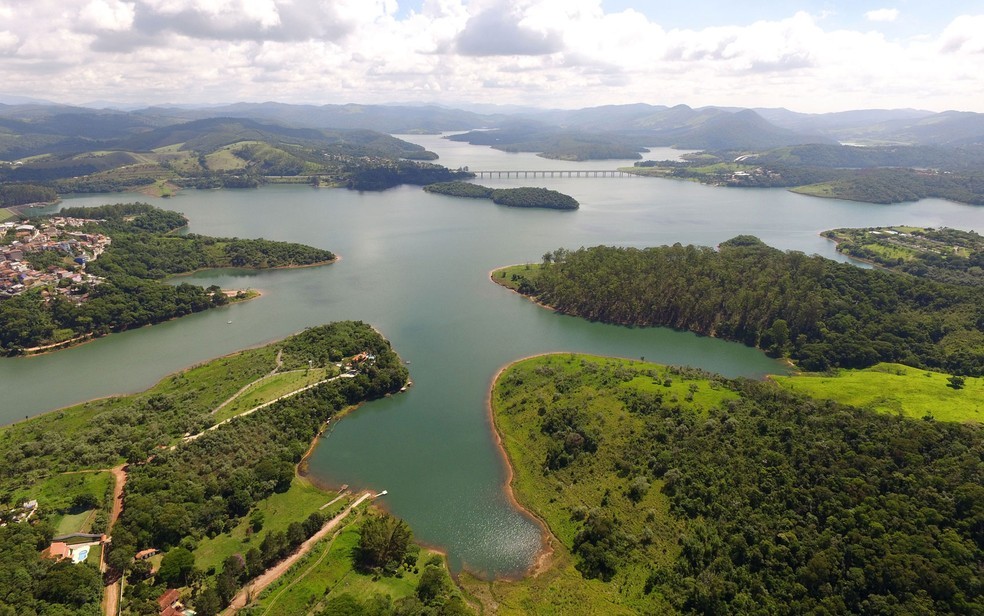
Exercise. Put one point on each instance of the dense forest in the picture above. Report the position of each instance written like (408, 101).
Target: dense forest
(512, 197)
(945, 255)
(141, 254)
(714, 496)
(821, 313)
(20, 194)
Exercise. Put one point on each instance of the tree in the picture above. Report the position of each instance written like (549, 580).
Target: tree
(432, 585)
(176, 567)
(84, 502)
(383, 542)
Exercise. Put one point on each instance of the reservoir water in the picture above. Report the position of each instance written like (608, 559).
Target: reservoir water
(416, 266)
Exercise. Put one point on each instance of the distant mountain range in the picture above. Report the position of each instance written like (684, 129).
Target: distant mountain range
(31, 127)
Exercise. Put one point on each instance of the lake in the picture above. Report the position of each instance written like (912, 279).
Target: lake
(416, 265)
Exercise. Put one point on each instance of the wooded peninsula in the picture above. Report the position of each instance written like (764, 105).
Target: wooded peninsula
(820, 313)
(671, 490)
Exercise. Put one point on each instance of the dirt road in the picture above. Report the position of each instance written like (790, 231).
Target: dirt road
(273, 573)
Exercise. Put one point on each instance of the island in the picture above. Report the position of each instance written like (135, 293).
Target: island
(817, 312)
(88, 272)
(216, 507)
(672, 490)
(944, 255)
(511, 197)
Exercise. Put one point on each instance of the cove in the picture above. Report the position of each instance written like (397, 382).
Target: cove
(416, 266)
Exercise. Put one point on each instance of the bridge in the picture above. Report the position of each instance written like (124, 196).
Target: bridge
(559, 173)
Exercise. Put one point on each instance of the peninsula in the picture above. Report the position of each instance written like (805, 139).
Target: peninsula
(212, 500)
(91, 271)
(815, 311)
(672, 490)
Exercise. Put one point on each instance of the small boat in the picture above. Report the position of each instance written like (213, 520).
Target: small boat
(229, 322)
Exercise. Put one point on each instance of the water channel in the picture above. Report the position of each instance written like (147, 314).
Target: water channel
(415, 265)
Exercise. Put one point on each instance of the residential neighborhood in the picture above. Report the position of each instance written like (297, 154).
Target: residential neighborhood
(62, 234)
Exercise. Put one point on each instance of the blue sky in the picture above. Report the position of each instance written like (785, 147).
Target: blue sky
(814, 55)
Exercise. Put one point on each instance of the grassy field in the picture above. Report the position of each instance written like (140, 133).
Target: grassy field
(6, 215)
(897, 389)
(272, 387)
(510, 275)
(279, 511)
(329, 571)
(597, 385)
(55, 494)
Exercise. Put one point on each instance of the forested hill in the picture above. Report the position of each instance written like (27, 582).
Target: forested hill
(819, 312)
(697, 495)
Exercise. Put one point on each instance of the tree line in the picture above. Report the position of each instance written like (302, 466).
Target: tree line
(821, 313)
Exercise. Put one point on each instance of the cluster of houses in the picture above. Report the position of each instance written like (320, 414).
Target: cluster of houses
(19, 514)
(59, 234)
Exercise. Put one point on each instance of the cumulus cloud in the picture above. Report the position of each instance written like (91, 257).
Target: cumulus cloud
(964, 34)
(554, 52)
(107, 15)
(882, 15)
(502, 31)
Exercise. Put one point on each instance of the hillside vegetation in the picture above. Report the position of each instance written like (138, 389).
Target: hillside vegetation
(820, 313)
(178, 496)
(690, 493)
(944, 255)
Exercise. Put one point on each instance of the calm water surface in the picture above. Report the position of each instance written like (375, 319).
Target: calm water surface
(415, 266)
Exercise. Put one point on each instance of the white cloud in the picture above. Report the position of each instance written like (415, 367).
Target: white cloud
(964, 34)
(559, 53)
(882, 15)
(107, 15)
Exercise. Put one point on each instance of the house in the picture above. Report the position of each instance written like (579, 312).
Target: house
(170, 603)
(58, 550)
(145, 554)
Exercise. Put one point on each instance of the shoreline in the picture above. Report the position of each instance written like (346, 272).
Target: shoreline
(544, 559)
(90, 337)
(527, 297)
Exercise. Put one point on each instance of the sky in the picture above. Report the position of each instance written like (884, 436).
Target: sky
(811, 56)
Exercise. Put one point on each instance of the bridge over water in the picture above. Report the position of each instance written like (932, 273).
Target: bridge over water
(559, 173)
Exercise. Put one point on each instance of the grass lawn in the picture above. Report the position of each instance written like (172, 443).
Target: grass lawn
(894, 388)
(294, 505)
(328, 571)
(272, 387)
(511, 275)
(55, 494)
(75, 523)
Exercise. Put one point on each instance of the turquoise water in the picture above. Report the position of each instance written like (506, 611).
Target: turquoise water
(416, 266)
